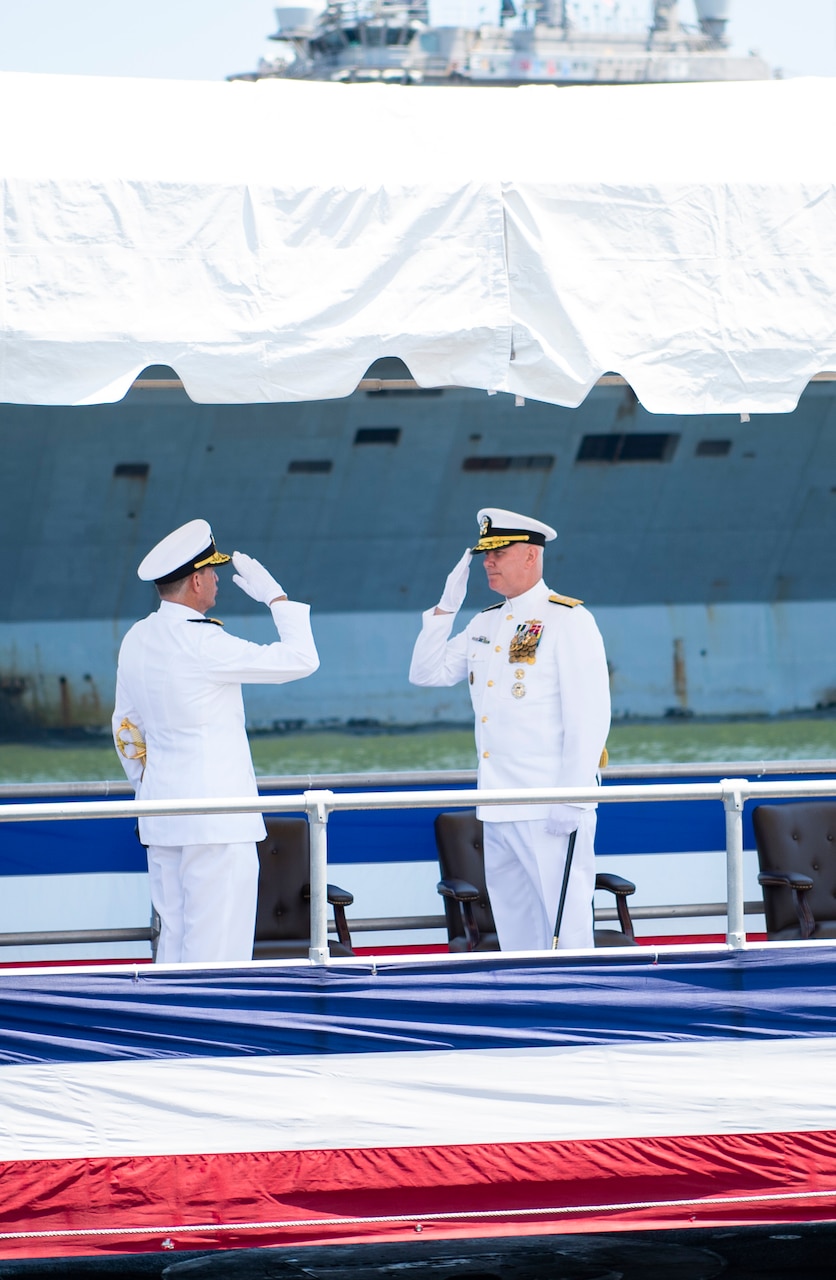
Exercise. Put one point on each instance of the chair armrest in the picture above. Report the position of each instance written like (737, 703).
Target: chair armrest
(336, 896)
(789, 879)
(615, 884)
(465, 893)
(622, 889)
(799, 885)
(339, 899)
(460, 890)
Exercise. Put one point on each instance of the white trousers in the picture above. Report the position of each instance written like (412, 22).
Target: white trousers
(524, 873)
(205, 896)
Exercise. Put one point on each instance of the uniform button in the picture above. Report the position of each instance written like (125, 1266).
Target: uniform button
(509, 617)
(490, 684)
(498, 649)
(485, 754)
(484, 719)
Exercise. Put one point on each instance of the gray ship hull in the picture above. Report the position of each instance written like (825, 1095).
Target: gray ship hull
(701, 544)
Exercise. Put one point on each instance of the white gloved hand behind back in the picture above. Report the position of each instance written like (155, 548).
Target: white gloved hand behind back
(253, 578)
(455, 588)
(563, 819)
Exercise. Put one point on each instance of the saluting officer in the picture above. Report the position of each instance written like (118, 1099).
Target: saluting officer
(539, 685)
(179, 728)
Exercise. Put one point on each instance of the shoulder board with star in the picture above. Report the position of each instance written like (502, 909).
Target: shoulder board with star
(215, 621)
(569, 601)
(491, 607)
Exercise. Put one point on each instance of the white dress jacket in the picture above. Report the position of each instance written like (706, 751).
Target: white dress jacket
(540, 723)
(179, 683)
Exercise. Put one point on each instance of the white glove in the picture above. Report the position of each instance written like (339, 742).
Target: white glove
(455, 588)
(254, 579)
(563, 819)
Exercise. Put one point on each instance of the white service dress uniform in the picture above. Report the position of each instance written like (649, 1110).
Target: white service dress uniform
(539, 684)
(179, 683)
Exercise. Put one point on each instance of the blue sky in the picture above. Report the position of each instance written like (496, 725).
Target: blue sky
(210, 39)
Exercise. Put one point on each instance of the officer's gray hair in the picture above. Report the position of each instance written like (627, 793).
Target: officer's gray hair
(172, 590)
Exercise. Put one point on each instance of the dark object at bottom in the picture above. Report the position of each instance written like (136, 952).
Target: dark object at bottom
(780, 1251)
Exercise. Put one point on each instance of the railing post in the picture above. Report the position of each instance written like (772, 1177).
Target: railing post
(316, 806)
(733, 804)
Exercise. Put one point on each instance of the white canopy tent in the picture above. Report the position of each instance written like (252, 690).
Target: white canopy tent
(270, 240)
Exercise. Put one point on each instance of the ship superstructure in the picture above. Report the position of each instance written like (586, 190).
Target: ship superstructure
(510, 42)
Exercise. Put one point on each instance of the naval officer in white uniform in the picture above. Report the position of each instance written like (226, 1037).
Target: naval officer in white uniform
(178, 725)
(539, 685)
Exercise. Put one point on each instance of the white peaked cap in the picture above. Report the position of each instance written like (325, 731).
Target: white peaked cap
(500, 528)
(182, 552)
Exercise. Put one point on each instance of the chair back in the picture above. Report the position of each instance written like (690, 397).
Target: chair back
(461, 856)
(283, 913)
(798, 837)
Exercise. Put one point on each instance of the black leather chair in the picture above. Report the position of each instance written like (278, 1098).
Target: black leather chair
(467, 908)
(797, 854)
(283, 915)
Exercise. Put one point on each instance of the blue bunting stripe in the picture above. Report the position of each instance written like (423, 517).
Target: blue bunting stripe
(451, 1004)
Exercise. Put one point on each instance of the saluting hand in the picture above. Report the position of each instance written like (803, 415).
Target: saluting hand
(455, 588)
(254, 579)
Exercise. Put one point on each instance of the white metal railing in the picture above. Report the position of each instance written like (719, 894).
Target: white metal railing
(318, 804)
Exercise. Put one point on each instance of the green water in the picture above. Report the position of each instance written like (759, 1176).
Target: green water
(805, 738)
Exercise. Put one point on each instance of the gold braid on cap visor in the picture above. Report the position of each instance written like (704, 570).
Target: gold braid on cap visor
(493, 543)
(217, 557)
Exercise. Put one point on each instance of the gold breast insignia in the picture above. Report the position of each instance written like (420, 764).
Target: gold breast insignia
(524, 642)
